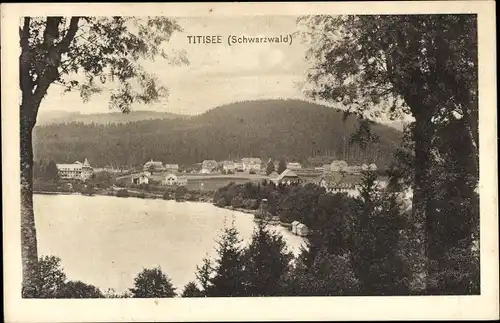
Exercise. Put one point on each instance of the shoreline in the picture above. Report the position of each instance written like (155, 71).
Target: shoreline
(133, 194)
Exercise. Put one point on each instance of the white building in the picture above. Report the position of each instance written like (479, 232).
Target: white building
(173, 168)
(288, 177)
(250, 164)
(153, 165)
(139, 179)
(77, 170)
(274, 177)
(228, 166)
(208, 166)
(335, 182)
(173, 179)
(238, 167)
(302, 230)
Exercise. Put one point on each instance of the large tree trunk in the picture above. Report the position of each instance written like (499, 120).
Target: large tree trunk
(28, 231)
(421, 240)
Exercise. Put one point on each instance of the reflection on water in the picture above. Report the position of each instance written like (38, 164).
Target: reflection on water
(106, 241)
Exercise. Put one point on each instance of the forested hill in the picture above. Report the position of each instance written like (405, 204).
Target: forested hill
(55, 117)
(294, 129)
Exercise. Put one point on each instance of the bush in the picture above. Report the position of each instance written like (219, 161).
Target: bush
(167, 196)
(52, 276)
(180, 192)
(77, 289)
(123, 193)
(250, 204)
(221, 202)
(289, 216)
(237, 202)
(54, 284)
(191, 290)
(152, 283)
(141, 195)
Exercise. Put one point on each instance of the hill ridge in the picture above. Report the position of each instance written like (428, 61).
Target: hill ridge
(293, 129)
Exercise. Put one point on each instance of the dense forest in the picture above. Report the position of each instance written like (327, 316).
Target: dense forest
(291, 129)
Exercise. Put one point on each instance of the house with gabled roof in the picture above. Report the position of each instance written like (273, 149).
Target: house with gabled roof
(208, 166)
(174, 179)
(288, 177)
(141, 178)
(77, 170)
(251, 163)
(153, 166)
(336, 182)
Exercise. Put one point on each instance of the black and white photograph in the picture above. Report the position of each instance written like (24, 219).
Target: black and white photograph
(257, 156)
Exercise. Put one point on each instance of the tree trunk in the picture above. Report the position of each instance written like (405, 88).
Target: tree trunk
(28, 231)
(420, 239)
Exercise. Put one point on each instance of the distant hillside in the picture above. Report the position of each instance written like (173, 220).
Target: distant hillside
(294, 129)
(55, 117)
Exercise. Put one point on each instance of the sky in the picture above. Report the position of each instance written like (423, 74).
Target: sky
(217, 73)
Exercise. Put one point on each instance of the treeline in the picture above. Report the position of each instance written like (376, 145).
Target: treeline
(274, 129)
(358, 246)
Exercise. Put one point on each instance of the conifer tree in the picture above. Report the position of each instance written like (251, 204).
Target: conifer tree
(281, 166)
(267, 261)
(270, 167)
(204, 274)
(229, 269)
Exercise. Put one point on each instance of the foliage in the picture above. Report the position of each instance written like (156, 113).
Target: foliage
(281, 166)
(459, 275)
(55, 285)
(228, 278)
(180, 192)
(221, 202)
(237, 202)
(87, 189)
(122, 193)
(204, 275)
(105, 50)
(80, 53)
(191, 290)
(45, 171)
(52, 275)
(377, 259)
(266, 262)
(419, 65)
(270, 167)
(152, 283)
(78, 289)
(329, 275)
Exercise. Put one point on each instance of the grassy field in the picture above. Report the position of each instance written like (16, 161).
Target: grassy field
(214, 183)
(209, 182)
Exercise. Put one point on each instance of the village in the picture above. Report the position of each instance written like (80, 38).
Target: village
(336, 177)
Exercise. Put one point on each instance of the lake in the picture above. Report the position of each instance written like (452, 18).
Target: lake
(106, 241)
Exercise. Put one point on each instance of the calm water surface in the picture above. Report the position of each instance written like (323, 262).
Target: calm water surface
(107, 241)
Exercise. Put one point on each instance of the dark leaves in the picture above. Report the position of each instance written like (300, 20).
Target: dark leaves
(108, 50)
